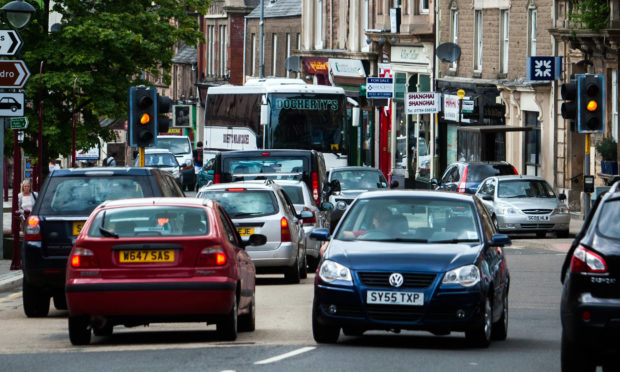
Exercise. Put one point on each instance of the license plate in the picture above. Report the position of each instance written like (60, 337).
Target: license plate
(146, 256)
(395, 298)
(77, 227)
(538, 218)
(245, 231)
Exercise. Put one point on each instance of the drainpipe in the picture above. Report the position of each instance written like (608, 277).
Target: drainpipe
(245, 40)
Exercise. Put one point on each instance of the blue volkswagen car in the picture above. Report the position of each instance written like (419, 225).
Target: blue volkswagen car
(387, 268)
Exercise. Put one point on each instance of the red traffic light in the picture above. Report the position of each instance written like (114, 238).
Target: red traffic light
(144, 102)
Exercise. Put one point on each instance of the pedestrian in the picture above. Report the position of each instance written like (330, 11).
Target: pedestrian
(26, 199)
(110, 161)
(198, 154)
(57, 164)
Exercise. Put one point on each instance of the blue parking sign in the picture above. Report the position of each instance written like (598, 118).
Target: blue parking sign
(544, 68)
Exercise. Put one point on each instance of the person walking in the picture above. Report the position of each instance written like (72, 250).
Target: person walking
(26, 199)
(110, 161)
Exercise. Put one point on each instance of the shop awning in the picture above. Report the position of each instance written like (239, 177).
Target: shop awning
(492, 128)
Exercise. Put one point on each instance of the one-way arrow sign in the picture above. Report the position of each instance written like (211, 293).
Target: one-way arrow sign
(10, 42)
(13, 74)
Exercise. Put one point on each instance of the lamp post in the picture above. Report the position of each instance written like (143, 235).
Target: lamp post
(18, 14)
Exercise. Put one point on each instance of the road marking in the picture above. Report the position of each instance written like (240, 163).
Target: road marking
(286, 355)
(11, 296)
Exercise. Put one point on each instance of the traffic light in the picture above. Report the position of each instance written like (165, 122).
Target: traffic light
(142, 116)
(591, 103)
(568, 92)
(164, 106)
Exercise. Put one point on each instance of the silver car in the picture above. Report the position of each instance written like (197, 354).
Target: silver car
(301, 197)
(262, 207)
(524, 204)
(164, 160)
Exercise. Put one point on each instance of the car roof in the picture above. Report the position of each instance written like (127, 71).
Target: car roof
(378, 194)
(354, 168)
(289, 182)
(145, 202)
(270, 151)
(260, 184)
(171, 136)
(157, 151)
(102, 171)
(482, 162)
(519, 177)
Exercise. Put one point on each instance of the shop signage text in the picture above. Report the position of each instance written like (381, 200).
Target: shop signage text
(423, 103)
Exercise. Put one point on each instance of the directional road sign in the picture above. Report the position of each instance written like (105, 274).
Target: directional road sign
(13, 74)
(11, 104)
(19, 123)
(10, 42)
(379, 87)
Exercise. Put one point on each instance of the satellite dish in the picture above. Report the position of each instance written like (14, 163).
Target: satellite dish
(448, 52)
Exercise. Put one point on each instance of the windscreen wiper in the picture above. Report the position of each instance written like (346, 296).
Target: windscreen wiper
(107, 233)
(455, 241)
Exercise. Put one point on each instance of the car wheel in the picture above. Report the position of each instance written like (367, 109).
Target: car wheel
(500, 328)
(303, 271)
(322, 333)
(35, 300)
(541, 234)
(562, 234)
(227, 327)
(104, 331)
(292, 274)
(573, 358)
(313, 263)
(60, 301)
(247, 322)
(480, 336)
(79, 330)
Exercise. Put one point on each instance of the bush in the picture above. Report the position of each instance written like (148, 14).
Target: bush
(608, 148)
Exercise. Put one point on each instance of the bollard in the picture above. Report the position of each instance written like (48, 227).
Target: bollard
(16, 262)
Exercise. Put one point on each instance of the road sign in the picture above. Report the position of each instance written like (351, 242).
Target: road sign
(19, 123)
(468, 106)
(11, 104)
(10, 42)
(13, 74)
(379, 87)
(544, 68)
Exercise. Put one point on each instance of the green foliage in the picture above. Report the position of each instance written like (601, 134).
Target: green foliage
(103, 47)
(608, 148)
(591, 14)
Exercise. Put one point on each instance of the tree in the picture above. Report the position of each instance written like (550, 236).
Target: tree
(104, 47)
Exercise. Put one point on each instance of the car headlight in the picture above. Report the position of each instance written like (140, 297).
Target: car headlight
(465, 276)
(561, 210)
(341, 205)
(331, 271)
(507, 210)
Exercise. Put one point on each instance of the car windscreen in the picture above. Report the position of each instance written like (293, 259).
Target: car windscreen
(159, 161)
(150, 221)
(295, 193)
(478, 172)
(524, 189)
(359, 179)
(410, 220)
(248, 168)
(176, 146)
(608, 222)
(78, 196)
(243, 203)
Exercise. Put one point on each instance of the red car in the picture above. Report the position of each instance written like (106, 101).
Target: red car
(140, 261)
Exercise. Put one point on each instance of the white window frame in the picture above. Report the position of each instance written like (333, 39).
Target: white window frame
(288, 52)
(223, 53)
(454, 30)
(253, 56)
(614, 103)
(274, 51)
(478, 40)
(532, 26)
(211, 50)
(505, 40)
(423, 6)
(366, 20)
(318, 42)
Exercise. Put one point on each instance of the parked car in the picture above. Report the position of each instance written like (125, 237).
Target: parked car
(385, 268)
(263, 207)
(67, 198)
(353, 181)
(141, 261)
(181, 147)
(465, 177)
(301, 197)
(164, 160)
(590, 302)
(525, 204)
(307, 165)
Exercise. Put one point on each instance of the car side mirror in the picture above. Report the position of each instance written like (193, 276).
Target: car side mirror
(305, 215)
(320, 234)
(256, 239)
(487, 197)
(394, 184)
(326, 206)
(434, 182)
(562, 197)
(500, 240)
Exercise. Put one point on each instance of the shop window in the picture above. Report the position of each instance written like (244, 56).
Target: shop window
(532, 144)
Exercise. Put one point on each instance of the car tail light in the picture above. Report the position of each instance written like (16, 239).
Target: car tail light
(586, 261)
(514, 170)
(32, 229)
(265, 153)
(212, 256)
(285, 232)
(463, 182)
(315, 188)
(235, 189)
(83, 258)
(217, 178)
(310, 221)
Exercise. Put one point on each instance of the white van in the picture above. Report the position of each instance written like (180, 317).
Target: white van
(181, 147)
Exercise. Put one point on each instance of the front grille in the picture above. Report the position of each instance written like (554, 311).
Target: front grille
(349, 311)
(536, 225)
(395, 313)
(382, 280)
(537, 211)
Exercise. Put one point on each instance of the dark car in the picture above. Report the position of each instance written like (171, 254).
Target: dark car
(307, 165)
(465, 177)
(159, 260)
(386, 268)
(590, 304)
(67, 198)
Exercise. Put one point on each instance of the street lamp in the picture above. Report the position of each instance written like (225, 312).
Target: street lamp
(18, 13)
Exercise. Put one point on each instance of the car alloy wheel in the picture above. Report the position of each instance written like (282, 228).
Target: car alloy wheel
(227, 327)
(500, 328)
(247, 322)
(292, 273)
(79, 330)
(480, 336)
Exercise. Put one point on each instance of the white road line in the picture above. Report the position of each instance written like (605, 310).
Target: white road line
(11, 296)
(286, 355)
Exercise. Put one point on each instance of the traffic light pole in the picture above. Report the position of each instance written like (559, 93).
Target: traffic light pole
(586, 172)
(141, 157)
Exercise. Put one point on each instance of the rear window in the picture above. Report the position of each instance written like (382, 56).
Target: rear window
(478, 172)
(80, 195)
(158, 160)
(295, 193)
(176, 146)
(254, 167)
(359, 180)
(608, 222)
(244, 203)
(150, 221)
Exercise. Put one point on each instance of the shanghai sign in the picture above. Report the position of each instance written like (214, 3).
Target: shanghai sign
(13, 74)
(423, 103)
